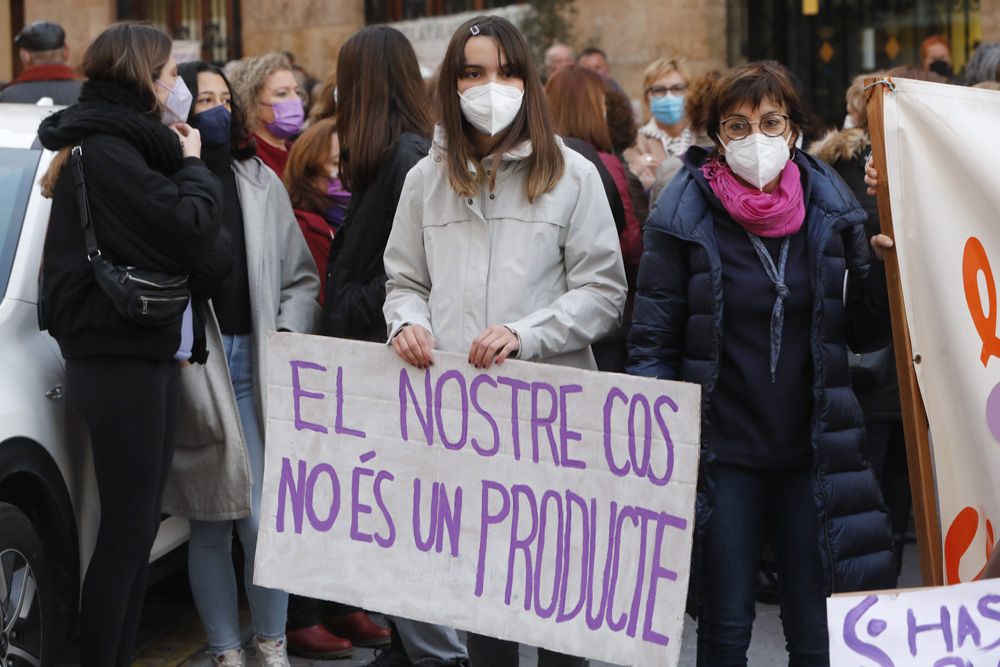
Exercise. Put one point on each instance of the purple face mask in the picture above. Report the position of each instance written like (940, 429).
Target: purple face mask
(339, 199)
(337, 191)
(288, 117)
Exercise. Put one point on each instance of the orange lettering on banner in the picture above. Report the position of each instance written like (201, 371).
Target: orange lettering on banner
(959, 539)
(975, 261)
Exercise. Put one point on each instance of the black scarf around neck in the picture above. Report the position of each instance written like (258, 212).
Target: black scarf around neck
(106, 107)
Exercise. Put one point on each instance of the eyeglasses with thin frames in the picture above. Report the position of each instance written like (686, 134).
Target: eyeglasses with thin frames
(660, 91)
(771, 124)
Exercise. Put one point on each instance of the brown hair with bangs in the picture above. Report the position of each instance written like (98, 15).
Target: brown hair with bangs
(532, 123)
(576, 96)
(380, 96)
(753, 83)
(306, 174)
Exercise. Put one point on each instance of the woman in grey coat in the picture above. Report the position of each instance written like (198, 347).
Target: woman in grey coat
(218, 470)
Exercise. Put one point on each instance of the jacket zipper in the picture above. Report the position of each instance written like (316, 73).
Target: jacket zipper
(143, 281)
(158, 299)
(818, 325)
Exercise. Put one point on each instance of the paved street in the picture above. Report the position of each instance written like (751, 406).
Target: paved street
(171, 634)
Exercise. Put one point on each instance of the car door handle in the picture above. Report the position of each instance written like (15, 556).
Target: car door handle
(56, 393)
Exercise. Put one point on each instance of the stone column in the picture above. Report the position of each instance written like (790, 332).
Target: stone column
(313, 31)
(636, 32)
(83, 20)
(989, 14)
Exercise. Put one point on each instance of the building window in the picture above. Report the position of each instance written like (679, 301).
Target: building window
(839, 39)
(212, 24)
(383, 11)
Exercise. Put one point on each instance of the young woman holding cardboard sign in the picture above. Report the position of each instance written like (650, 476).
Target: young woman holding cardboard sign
(503, 243)
(756, 274)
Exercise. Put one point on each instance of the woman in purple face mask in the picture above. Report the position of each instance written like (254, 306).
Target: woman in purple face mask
(274, 107)
(312, 177)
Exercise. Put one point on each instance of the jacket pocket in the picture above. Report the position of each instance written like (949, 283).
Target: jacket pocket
(531, 241)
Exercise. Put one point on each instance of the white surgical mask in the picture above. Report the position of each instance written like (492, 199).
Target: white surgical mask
(491, 107)
(757, 159)
(178, 103)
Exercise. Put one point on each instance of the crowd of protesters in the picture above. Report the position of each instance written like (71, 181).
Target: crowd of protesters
(587, 238)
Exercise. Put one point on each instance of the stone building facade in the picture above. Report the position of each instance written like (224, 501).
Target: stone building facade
(821, 49)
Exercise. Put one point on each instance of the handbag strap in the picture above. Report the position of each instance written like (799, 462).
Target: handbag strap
(82, 204)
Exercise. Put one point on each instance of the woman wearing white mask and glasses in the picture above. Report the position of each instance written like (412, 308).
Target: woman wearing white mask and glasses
(755, 277)
(503, 244)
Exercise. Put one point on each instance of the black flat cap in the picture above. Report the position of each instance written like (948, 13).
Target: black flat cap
(41, 36)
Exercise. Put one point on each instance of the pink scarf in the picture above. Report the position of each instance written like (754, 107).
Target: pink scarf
(767, 214)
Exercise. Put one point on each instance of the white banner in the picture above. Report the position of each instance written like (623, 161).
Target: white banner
(943, 150)
(531, 502)
(947, 626)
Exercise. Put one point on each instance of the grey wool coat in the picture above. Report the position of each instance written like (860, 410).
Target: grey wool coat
(210, 478)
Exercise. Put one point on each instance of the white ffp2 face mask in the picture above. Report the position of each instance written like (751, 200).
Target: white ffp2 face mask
(757, 159)
(491, 107)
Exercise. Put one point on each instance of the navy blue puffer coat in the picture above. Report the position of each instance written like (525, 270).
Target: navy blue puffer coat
(678, 326)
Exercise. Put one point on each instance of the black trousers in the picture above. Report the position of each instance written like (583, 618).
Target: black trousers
(491, 652)
(130, 408)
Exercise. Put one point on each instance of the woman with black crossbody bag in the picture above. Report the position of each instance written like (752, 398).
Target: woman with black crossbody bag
(134, 226)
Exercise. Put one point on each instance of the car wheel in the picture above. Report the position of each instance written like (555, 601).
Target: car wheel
(26, 612)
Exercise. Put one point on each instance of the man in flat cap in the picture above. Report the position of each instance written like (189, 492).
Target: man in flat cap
(42, 48)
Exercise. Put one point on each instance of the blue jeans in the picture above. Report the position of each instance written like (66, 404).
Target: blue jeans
(745, 502)
(210, 563)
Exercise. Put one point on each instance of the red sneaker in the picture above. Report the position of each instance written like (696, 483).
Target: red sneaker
(359, 628)
(318, 643)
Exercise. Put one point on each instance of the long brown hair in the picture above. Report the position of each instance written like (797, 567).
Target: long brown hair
(129, 54)
(533, 122)
(306, 172)
(380, 96)
(576, 96)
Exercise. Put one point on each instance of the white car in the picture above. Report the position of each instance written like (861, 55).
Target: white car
(49, 508)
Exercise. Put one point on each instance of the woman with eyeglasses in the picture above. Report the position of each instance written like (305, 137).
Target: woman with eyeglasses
(667, 133)
(756, 275)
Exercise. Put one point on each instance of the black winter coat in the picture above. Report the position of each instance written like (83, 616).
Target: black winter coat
(142, 218)
(678, 325)
(874, 374)
(355, 274)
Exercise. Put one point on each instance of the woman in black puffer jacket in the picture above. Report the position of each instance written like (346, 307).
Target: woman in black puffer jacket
(155, 205)
(741, 289)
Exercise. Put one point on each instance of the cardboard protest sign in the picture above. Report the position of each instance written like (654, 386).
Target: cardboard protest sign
(941, 144)
(531, 502)
(946, 626)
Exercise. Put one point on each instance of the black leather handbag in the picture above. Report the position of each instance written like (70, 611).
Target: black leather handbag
(148, 298)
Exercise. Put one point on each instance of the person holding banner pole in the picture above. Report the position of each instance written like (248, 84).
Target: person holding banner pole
(503, 243)
(383, 119)
(756, 276)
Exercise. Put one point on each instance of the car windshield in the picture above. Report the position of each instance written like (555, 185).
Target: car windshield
(17, 171)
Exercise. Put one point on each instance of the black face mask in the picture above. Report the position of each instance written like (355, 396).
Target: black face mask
(941, 67)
